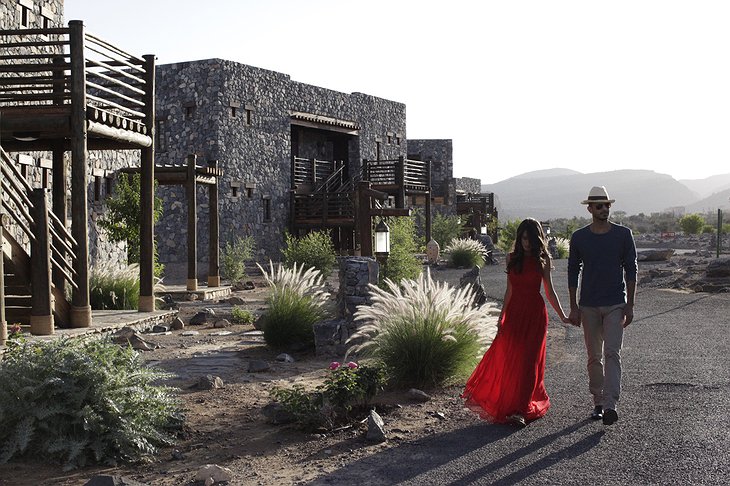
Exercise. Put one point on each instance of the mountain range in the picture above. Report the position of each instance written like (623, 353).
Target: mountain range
(557, 193)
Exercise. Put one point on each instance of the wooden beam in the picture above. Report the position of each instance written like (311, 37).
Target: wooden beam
(191, 192)
(41, 312)
(214, 278)
(81, 310)
(119, 134)
(147, 198)
(390, 212)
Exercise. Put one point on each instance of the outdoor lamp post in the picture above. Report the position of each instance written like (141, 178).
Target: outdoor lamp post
(382, 240)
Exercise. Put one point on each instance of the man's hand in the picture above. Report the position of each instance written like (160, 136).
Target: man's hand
(628, 314)
(574, 316)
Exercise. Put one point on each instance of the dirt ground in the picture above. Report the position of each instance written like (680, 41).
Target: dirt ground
(226, 426)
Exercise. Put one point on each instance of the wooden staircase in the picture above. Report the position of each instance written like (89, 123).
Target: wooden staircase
(20, 202)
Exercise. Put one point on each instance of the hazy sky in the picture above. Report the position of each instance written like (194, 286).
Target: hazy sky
(518, 85)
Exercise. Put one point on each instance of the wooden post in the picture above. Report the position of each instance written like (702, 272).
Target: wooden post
(363, 223)
(3, 321)
(428, 201)
(81, 309)
(147, 197)
(214, 277)
(400, 198)
(41, 312)
(58, 176)
(190, 189)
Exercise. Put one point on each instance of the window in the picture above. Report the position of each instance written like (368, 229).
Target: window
(398, 139)
(161, 135)
(235, 106)
(46, 166)
(97, 188)
(26, 8)
(235, 189)
(46, 17)
(249, 192)
(267, 208)
(377, 149)
(389, 138)
(189, 109)
(249, 114)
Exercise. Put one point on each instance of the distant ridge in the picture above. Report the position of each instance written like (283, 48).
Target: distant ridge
(557, 193)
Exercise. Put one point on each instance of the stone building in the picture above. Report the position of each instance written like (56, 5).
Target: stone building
(256, 123)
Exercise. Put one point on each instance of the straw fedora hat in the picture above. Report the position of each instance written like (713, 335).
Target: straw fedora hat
(598, 194)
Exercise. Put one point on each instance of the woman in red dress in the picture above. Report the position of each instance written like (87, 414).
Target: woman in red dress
(507, 385)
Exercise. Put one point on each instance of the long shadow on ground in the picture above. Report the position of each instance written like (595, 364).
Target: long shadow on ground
(406, 462)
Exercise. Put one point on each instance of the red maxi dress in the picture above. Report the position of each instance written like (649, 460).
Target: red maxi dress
(509, 378)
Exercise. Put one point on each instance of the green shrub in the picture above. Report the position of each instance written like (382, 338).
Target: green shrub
(297, 301)
(312, 250)
(122, 214)
(507, 236)
(81, 403)
(445, 228)
(691, 224)
(114, 288)
(234, 258)
(242, 316)
(347, 389)
(402, 260)
(466, 253)
(425, 333)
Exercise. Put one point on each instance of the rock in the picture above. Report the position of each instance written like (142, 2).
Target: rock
(418, 395)
(202, 317)
(189, 333)
(328, 337)
(159, 328)
(259, 323)
(376, 428)
(215, 472)
(718, 268)
(654, 255)
(128, 336)
(236, 301)
(257, 366)
(168, 302)
(177, 324)
(209, 382)
(104, 480)
(222, 323)
(285, 358)
(473, 280)
(276, 414)
(249, 285)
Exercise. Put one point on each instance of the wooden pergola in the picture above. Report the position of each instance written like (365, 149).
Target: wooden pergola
(189, 176)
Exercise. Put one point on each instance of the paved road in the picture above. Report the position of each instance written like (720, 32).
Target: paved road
(674, 421)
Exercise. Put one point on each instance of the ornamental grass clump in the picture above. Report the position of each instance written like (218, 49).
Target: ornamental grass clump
(83, 402)
(297, 301)
(466, 253)
(425, 333)
(111, 287)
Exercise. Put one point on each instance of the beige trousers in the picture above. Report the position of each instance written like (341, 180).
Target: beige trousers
(604, 333)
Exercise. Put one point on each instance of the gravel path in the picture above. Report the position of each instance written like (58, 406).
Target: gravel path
(673, 426)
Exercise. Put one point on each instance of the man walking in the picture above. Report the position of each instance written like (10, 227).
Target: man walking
(604, 255)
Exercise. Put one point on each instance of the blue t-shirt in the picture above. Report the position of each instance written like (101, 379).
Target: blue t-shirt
(605, 260)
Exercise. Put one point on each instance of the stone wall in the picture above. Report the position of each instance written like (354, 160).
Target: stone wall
(468, 185)
(12, 13)
(240, 116)
(441, 154)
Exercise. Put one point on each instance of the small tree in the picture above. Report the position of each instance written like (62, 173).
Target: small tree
(507, 236)
(312, 250)
(692, 224)
(234, 257)
(402, 261)
(121, 220)
(445, 228)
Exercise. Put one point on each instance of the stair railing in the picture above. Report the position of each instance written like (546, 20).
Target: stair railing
(19, 206)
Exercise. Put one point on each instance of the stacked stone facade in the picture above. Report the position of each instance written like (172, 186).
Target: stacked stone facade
(468, 185)
(241, 116)
(441, 154)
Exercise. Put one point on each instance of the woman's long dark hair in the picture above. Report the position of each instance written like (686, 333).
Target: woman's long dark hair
(538, 248)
